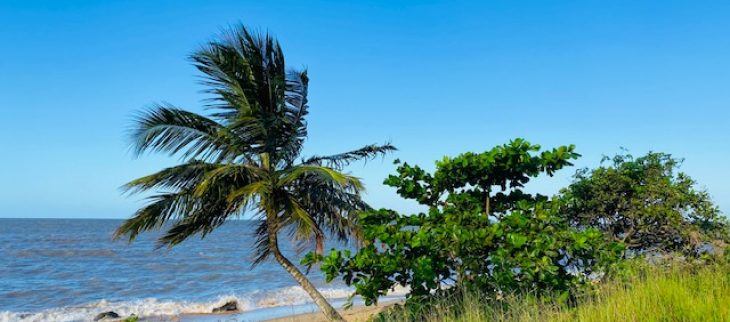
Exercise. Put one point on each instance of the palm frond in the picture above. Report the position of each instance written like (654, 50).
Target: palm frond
(247, 193)
(228, 77)
(297, 89)
(182, 177)
(334, 207)
(202, 217)
(301, 224)
(341, 160)
(297, 84)
(262, 245)
(227, 178)
(167, 129)
(320, 173)
(162, 209)
(243, 70)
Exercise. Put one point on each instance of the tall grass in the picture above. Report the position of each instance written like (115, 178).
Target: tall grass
(676, 292)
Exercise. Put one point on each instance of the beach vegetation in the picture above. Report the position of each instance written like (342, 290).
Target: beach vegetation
(489, 182)
(244, 158)
(633, 240)
(645, 203)
(677, 290)
(472, 238)
(443, 253)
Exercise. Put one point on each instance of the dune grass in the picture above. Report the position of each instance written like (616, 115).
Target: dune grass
(670, 294)
(676, 292)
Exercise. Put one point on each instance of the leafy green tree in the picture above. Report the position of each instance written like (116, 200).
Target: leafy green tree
(530, 250)
(468, 182)
(243, 159)
(529, 247)
(645, 203)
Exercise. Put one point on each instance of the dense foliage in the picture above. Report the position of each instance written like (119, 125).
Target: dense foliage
(530, 249)
(646, 204)
(456, 245)
(467, 182)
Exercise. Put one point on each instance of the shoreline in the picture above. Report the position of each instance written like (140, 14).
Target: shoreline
(358, 313)
(305, 313)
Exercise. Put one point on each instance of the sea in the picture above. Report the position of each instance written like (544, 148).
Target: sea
(70, 270)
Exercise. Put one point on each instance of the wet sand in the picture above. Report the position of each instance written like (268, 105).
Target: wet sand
(309, 313)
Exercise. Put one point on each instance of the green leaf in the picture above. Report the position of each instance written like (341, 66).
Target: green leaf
(516, 240)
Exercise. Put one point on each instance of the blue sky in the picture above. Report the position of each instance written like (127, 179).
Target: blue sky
(434, 77)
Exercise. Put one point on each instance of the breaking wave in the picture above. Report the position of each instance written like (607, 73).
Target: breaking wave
(152, 309)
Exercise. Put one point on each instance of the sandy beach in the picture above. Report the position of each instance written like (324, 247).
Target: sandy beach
(355, 314)
(308, 313)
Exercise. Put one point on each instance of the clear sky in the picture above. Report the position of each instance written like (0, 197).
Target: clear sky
(434, 77)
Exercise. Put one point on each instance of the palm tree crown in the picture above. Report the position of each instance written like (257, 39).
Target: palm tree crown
(243, 157)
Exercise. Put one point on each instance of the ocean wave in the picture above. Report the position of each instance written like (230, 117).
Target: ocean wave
(152, 309)
(294, 295)
(65, 253)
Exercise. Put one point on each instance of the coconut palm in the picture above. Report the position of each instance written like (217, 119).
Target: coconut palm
(242, 159)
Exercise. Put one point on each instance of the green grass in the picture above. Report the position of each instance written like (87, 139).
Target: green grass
(677, 292)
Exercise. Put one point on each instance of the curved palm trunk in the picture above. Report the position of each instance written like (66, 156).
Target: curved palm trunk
(329, 311)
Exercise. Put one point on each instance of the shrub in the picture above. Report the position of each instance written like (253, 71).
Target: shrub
(472, 238)
(646, 204)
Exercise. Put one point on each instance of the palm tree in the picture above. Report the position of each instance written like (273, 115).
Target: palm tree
(243, 159)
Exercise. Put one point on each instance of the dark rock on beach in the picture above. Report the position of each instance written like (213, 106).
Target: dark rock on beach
(231, 306)
(106, 315)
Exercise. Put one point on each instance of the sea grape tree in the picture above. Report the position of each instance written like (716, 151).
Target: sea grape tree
(525, 245)
(531, 249)
(469, 181)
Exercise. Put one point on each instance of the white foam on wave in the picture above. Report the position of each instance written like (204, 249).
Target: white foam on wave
(150, 308)
(295, 295)
(162, 310)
